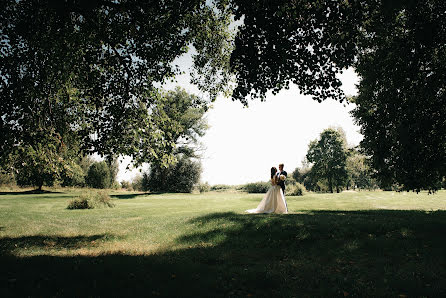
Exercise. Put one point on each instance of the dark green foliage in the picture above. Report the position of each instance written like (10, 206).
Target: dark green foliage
(221, 187)
(401, 101)
(397, 49)
(329, 156)
(6, 178)
(300, 42)
(39, 164)
(79, 203)
(73, 175)
(98, 175)
(257, 187)
(180, 177)
(92, 71)
(91, 200)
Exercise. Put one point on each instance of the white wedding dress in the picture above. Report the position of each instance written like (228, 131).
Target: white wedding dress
(273, 201)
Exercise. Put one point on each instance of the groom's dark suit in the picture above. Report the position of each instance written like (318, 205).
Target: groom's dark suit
(282, 183)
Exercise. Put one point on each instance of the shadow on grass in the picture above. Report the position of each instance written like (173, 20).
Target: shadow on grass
(319, 253)
(129, 196)
(9, 244)
(29, 192)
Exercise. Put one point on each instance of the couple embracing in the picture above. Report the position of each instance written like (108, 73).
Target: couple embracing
(274, 199)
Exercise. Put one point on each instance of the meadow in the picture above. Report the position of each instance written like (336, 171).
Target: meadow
(189, 245)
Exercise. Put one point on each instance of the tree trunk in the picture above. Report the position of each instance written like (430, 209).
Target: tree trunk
(330, 185)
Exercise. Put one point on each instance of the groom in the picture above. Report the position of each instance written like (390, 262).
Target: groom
(282, 172)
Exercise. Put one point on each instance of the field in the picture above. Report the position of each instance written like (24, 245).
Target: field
(190, 245)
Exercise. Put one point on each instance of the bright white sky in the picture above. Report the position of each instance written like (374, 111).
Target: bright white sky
(242, 144)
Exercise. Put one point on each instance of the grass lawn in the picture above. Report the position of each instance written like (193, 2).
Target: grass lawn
(348, 244)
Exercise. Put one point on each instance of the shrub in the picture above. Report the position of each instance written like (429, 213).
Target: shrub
(295, 189)
(126, 185)
(137, 183)
(221, 187)
(257, 187)
(91, 200)
(7, 179)
(98, 175)
(203, 187)
(79, 203)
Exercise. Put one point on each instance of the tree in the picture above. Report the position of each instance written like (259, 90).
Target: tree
(402, 100)
(329, 155)
(40, 164)
(91, 70)
(188, 111)
(98, 175)
(180, 177)
(359, 172)
(397, 49)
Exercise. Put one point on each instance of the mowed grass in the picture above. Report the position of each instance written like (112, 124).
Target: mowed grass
(191, 245)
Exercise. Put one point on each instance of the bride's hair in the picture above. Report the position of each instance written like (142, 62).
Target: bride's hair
(273, 171)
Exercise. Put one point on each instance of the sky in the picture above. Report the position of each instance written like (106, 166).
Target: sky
(242, 144)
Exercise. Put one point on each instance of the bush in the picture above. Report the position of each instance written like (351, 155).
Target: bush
(203, 187)
(126, 185)
(257, 187)
(91, 200)
(295, 189)
(7, 179)
(98, 175)
(221, 187)
(79, 203)
(137, 183)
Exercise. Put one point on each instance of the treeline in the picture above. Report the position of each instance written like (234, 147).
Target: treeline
(50, 158)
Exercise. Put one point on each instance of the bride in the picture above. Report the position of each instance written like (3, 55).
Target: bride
(274, 200)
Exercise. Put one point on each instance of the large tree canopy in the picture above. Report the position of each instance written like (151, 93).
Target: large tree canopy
(398, 49)
(91, 69)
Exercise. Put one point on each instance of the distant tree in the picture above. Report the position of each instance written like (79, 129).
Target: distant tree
(180, 177)
(188, 111)
(72, 175)
(137, 183)
(98, 175)
(329, 155)
(40, 164)
(360, 174)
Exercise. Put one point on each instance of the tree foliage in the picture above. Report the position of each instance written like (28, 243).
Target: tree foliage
(92, 69)
(188, 110)
(39, 164)
(398, 50)
(99, 175)
(179, 177)
(360, 175)
(329, 156)
(402, 95)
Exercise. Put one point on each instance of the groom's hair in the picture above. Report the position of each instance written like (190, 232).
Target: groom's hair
(281, 165)
(273, 171)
